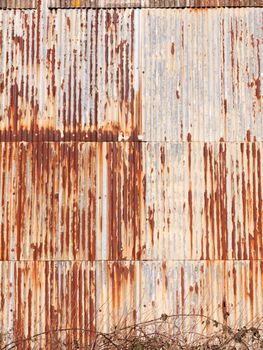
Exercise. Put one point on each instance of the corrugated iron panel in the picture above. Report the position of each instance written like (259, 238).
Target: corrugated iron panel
(131, 201)
(19, 72)
(132, 292)
(17, 4)
(131, 74)
(39, 297)
(71, 201)
(85, 85)
(203, 201)
(45, 296)
(152, 3)
(202, 74)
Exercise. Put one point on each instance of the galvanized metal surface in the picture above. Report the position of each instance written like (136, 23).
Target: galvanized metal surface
(95, 234)
(147, 74)
(152, 3)
(202, 74)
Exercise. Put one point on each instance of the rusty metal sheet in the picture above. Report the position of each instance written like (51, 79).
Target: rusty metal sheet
(45, 296)
(202, 74)
(39, 297)
(17, 4)
(143, 78)
(203, 201)
(133, 292)
(152, 3)
(71, 201)
(129, 201)
(76, 83)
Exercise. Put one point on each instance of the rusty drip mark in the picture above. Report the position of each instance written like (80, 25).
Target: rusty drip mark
(122, 276)
(225, 309)
(38, 39)
(208, 209)
(177, 94)
(20, 199)
(232, 56)
(18, 312)
(51, 56)
(190, 199)
(233, 218)
(140, 195)
(151, 212)
(164, 273)
(115, 243)
(173, 48)
(182, 36)
(162, 156)
(125, 197)
(74, 174)
(212, 200)
(225, 106)
(75, 97)
(243, 197)
(258, 80)
(254, 201)
(248, 198)
(223, 198)
(93, 205)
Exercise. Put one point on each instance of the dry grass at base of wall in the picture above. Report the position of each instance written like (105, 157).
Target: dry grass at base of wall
(165, 333)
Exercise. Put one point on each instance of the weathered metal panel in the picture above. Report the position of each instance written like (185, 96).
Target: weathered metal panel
(19, 54)
(202, 74)
(131, 201)
(46, 296)
(40, 297)
(148, 75)
(71, 201)
(84, 86)
(133, 292)
(203, 201)
(17, 4)
(152, 3)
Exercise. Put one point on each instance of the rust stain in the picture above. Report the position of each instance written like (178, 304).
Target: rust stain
(258, 80)
(190, 196)
(173, 48)
(125, 197)
(162, 155)
(151, 212)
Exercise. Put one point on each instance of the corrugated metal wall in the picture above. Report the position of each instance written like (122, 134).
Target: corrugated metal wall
(130, 166)
(152, 3)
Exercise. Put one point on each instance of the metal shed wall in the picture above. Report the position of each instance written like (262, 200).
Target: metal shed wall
(130, 167)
